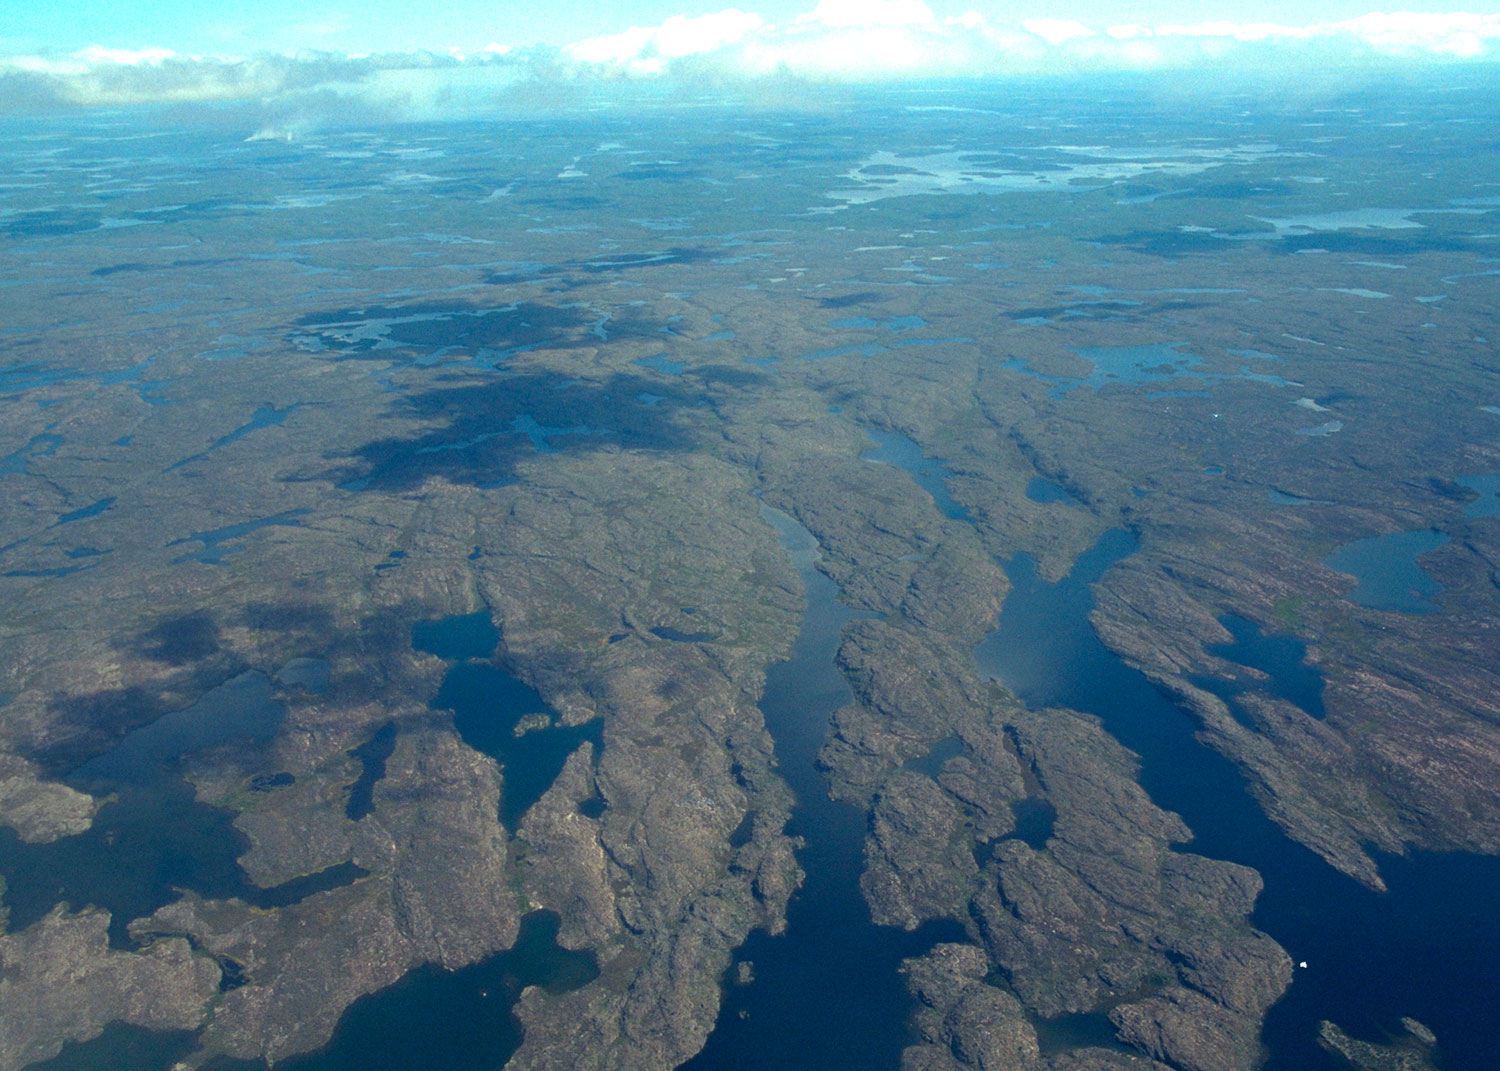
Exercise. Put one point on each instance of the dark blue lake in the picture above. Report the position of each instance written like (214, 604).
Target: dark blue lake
(1387, 572)
(1280, 656)
(1044, 490)
(498, 714)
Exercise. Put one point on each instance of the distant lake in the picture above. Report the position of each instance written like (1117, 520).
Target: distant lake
(1488, 487)
(1387, 572)
(893, 448)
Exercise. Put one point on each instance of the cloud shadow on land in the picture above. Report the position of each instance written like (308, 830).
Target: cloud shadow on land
(849, 301)
(180, 640)
(479, 429)
(381, 332)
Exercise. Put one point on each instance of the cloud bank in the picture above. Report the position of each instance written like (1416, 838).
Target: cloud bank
(848, 42)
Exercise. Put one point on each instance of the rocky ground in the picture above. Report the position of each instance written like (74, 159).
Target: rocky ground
(603, 509)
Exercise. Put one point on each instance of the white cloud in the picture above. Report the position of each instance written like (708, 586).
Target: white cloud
(1401, 33)
(862, 13)
(126, 57)
(849, 41)
(880, 40)
(647, 49)
(1056, 31)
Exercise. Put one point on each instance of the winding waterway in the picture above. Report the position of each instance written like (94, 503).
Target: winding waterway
(827, 993)
(1428, 948)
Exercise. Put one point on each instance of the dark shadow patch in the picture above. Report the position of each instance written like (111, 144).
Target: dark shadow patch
(180, 640)
(618, 262)
(386, 331)
(134, 267)
(48, 223)
(846, 301)
(296, 618)
(485, 426)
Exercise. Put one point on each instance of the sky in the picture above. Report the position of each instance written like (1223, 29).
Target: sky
(237, 27)
(397, 58)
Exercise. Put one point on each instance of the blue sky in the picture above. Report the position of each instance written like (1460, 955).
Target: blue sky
(238, 27)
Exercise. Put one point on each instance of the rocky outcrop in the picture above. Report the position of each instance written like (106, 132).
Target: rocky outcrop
(437, 891)
(41, 810)
(963, 1021)
(60, 981)
(918, 859)
(1416, 1051)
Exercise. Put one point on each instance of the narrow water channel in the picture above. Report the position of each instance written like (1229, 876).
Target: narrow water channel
(826, 995)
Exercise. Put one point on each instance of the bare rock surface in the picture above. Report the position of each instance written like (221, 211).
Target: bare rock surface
(60, 981)
(40, 810)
